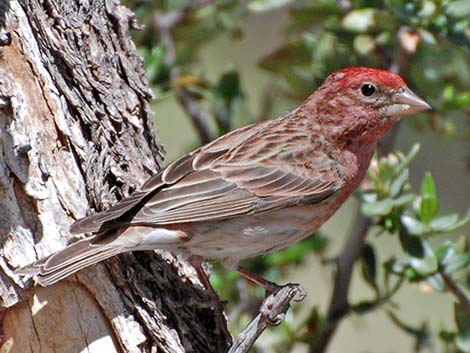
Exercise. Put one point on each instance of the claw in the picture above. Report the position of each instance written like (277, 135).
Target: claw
(276, 320)
(300, 294)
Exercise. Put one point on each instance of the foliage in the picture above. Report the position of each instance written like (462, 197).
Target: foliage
(415, 219)
(428, 42)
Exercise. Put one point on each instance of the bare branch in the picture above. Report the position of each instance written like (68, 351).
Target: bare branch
(199, 116)
(272, 312)
(457, 292)
(339, 305)
(164, 25)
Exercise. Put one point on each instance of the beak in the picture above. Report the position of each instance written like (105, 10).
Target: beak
(406, 102)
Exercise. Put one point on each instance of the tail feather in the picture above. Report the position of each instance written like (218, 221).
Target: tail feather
(65, 262)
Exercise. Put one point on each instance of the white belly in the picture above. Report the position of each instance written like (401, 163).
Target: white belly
(233, 239)
(248, 236)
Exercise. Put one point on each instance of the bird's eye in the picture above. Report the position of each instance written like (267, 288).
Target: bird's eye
(368, 89)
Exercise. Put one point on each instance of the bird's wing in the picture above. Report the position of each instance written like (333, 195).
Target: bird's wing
(108, 219)
(261, 167)
(280, 165)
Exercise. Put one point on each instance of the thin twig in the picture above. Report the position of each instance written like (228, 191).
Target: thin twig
(339, 305)
(199, 116)
(164, 25)
(272, 312)
(457, 292)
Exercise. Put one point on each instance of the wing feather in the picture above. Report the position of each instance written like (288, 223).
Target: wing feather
(254, 169)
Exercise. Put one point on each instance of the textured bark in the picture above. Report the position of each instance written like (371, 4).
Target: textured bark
(76, 135)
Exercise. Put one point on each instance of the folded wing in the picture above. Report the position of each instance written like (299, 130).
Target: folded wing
(255, 169)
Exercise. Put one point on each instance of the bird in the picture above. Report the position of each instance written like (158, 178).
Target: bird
(254, 190)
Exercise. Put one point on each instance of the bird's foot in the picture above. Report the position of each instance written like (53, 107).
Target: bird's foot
(276, 303)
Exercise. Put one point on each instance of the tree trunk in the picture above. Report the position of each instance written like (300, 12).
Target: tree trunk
(76, 135)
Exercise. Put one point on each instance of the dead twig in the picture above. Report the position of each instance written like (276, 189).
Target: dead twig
(198, 115)
(272, 312)
(339, 305)
(164, 25)
(457, 292)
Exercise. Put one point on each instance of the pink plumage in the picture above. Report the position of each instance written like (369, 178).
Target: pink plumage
(253, 190)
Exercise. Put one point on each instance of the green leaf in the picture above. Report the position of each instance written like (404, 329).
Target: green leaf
(437, 282)
(367, 196)
(462, 244)
(364, 306)
(378, 208)
(369, 265)
(455, 262)
(413, 245)
(447, 335)
(427, 37)
(458, 8)
(429, 202)
(447, 223)
(398, 183)
(364, 44)
(426, 264)
(403, 200)
(463, 100)
(406, 160)
(359, 21)
(292, 53)
(443, 251)
(397, 266)
(421, 334)
(448, 92)
(428, 187)
(266, 5)
(228, 86)
(462, 341)
(411, 274)
(413, 226)
(454, 101)
(227, 93)
(154, 60)
(311, 12)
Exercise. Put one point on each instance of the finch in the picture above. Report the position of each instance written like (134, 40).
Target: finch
(254, 190)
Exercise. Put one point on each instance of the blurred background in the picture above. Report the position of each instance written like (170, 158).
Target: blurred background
(219, 65)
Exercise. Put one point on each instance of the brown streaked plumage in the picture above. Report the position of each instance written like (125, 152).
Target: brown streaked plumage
(256, 189)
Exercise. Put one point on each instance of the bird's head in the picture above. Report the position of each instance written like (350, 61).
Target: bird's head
(361, 104)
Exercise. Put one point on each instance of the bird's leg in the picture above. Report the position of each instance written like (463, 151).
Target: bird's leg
(271, 287)
(272, 292)
(201, 274)
(197, 262)
(217, 305)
